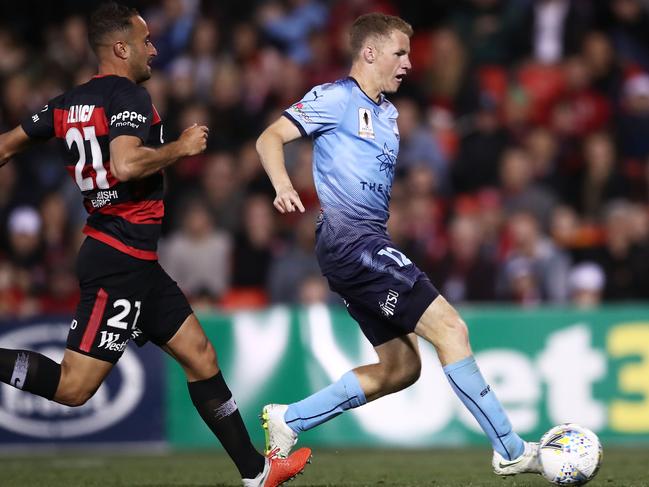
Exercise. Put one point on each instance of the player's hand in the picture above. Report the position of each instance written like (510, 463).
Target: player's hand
(287, 201)
(194, 139)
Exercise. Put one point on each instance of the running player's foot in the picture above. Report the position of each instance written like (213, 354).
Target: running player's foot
(528, 462)
(279, 470)
(280, 438)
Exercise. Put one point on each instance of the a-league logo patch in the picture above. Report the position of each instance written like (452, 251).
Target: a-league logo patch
(365, 128)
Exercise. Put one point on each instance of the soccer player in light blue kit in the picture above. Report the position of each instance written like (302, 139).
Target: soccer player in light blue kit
(356, 142)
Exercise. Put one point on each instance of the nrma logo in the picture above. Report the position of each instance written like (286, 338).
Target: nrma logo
(28, 415)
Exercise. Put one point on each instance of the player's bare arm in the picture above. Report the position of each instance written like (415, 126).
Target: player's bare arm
(13, 142)
(270, 146)
(131, 159)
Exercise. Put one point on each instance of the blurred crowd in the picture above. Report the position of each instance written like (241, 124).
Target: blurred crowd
(523, 172)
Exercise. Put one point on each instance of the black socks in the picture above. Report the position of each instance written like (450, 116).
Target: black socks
(214, 402)
(29, 371)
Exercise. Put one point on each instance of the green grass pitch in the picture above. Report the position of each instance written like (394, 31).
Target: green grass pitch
(340, 468)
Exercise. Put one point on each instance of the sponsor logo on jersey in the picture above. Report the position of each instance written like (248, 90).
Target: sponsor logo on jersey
(102, 198)
(376, 187)
(388, 160)
(35, 118)
(298, 110)
(127, 119)
(388, 306)
(109, 341)
(80, 113)
(36, 417)
(365, 127)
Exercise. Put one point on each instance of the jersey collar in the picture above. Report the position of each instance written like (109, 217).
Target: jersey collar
(381, 95)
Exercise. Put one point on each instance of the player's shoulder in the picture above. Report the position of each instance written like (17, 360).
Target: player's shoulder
(114, 86)
(336, 91)
(389, 108)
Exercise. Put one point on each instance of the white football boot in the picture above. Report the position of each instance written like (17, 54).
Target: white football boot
(279, 437)
(528, 462)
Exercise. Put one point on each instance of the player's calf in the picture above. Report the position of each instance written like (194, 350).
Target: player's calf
(29, 371)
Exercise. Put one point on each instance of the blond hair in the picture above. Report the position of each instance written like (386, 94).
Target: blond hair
(375, 24)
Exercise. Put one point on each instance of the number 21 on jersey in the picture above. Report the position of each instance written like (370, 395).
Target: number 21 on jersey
(74, 136)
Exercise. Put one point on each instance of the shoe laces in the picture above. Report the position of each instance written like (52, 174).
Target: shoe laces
(273, 453)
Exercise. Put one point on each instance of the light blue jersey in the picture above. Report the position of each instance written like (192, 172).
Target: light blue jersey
(356, 142)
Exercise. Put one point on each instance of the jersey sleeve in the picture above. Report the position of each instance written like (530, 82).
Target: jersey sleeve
(320, 110)
(40, 125)
(130, 112)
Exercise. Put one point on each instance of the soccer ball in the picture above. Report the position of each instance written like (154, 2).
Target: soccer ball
(570, 454)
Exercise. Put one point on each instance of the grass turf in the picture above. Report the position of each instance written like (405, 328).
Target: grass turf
(354, 468)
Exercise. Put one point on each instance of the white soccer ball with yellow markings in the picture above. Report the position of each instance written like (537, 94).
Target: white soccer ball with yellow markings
(570, 454)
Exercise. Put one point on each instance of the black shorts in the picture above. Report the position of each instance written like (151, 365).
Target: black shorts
(383, 290)
(122, 298)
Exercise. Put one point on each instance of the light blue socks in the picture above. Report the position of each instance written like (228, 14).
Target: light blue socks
(468, 383)
(325, 404)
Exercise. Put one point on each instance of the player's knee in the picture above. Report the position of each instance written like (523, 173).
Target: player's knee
(402, 376)
(459, 330)
(73, 397)
(204, 363)
(410, 374)
(206, 351)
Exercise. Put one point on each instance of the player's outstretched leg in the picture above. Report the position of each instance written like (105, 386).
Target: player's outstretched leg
(70, 383)
(398, 367)
(214, 402)
(442, 326)
(283, 423)
(29, 371)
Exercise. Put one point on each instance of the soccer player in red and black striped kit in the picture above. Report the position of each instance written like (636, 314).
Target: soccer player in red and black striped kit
(112, 139)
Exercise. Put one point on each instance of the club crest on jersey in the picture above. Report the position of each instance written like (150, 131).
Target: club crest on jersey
(365, 128)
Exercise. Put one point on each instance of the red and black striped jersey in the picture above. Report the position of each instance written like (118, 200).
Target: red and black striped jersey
(125, 215)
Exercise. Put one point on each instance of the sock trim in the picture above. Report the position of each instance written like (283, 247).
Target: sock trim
(225, 409)
(459, 364)
(19, 374)
(350, 379)
(483, 413)
(323, 413)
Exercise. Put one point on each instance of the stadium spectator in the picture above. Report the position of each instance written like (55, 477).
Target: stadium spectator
(26, 251)
(551, 30)
(197, 256)
(291, 24)
(465, 273)
(254, 245)
(600, 180)
(222, 191)
(295, 265)
(488, 28)
(633, 122)
(534, 269)
(587, 282)
(519, 191)
(625, 264)
(483, 141)
(417, 145)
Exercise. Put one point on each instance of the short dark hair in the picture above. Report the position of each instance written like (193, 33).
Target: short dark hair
(375, 24)
(107, 18)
